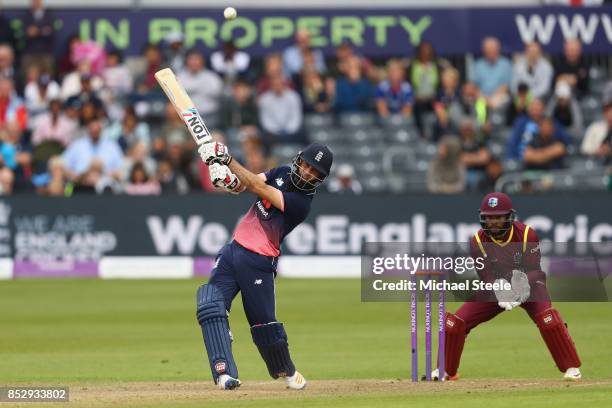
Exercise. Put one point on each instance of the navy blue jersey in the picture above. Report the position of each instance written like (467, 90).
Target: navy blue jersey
(396, 98)
(264, 226)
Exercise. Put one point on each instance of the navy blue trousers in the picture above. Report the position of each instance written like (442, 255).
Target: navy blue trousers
(239, 270)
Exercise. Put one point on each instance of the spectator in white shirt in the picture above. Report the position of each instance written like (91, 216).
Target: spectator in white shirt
(345, 182)
(41, 89)
(280, 114)
(230, 63)
(203, 86)
(492, 73)
(91, 159)
(597, 141)
(71, 85)
(533, 70)
(293, 57)
(118, 80)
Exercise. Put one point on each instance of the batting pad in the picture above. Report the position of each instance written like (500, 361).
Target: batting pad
(454, 342)
(557, 339)
(212, 316)
(271, 341)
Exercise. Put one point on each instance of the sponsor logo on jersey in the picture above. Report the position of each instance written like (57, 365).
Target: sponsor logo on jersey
(548, 319)
(279, 182)
(450, 323)
(262, 210)
(196, 125)
(493, 202)
(220, 367)
(258, 281)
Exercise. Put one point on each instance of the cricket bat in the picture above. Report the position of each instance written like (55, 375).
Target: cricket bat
(183, 105)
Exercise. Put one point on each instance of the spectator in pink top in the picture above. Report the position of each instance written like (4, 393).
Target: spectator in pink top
(54, 126)
(140, 183)
(90, 52)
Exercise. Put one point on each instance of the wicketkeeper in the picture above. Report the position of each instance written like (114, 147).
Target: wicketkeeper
(248, 263)
(511, 255)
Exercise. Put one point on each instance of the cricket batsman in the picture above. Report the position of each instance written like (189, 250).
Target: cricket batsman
(248, 263)
(511, 255)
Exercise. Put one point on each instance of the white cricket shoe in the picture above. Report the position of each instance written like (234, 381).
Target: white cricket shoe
(435, 375)
(296, 381)
(572, 374)
(225, 382)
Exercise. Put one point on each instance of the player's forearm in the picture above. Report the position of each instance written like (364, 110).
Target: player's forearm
(257, 185)
(250, 181)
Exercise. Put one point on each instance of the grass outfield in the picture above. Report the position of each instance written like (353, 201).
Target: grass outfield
(137, 343)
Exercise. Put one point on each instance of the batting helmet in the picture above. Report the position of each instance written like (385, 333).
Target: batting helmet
(317, 155)
(497, 204)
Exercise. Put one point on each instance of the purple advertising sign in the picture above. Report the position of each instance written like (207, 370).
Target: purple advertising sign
(203, 265)
(55, 269)
(383, 32)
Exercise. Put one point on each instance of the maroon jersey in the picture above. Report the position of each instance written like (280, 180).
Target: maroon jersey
(518, 249)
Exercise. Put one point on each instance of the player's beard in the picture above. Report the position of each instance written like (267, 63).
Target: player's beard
(291, 188)
(499, 231)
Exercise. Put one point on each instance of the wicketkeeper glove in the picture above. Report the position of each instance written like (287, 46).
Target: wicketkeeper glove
(508, 305)
(506, 299)
(215, 152)
(520, 285)
(222, 177)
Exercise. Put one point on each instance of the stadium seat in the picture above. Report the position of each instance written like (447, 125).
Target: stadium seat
(399, 160)
(372, 166)
(598, 79)
(416, 182)
(397, 122)
(285, 153)
(498, 119)
(497, 149)
(425, 150)
(357, 120)
(564, 182)
(374, 184)
(591, 108)
(328, 136)
(402, 135)
(599, 182)
(422, 164)
(502, 134)
(582, 164)
(429, 123)
(367, 151)
(365, 135)
(511, 165)
(315, 121)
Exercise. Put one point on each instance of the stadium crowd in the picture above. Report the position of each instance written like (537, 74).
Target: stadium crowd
(90, 121)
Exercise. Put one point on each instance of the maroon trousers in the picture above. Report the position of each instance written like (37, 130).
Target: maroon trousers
(552, 328)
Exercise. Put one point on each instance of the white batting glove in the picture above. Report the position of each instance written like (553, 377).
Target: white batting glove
(214, 152)
(520, 285)
(222, 177)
